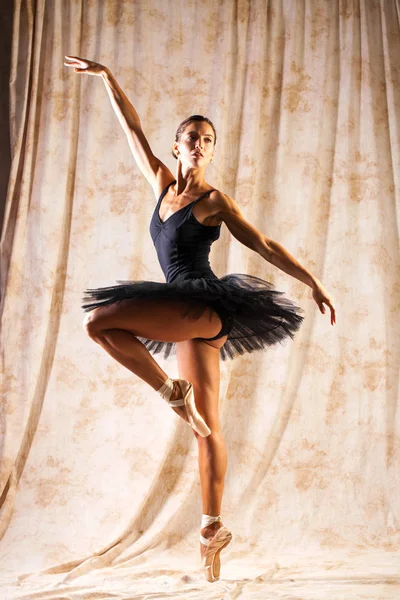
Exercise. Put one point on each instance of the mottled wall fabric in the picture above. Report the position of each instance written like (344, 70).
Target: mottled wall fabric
(99, 480)
(6, 18)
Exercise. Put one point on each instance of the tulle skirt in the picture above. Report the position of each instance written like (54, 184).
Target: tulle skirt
(253, 314)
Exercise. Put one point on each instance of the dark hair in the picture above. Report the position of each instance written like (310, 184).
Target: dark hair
(186, 122)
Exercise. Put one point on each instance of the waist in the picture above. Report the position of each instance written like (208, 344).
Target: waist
(183, 275)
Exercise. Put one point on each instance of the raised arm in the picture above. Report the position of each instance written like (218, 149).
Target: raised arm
(129, 119)
(149, 164)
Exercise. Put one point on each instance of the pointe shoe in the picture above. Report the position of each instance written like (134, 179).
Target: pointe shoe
(211, 561)
(194, 417)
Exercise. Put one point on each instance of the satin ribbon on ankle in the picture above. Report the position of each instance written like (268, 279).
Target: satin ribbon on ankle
(205, 521)
(208, 519)
(187, 400)
(166, 389)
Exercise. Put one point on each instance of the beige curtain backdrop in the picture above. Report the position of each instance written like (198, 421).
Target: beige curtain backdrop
(99, 480)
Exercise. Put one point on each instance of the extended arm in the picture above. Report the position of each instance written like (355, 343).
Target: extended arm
(149, 164)
(278, 256)
(123, 108)
(228, 210)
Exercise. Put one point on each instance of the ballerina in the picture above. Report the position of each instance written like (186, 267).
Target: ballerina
(194, 314)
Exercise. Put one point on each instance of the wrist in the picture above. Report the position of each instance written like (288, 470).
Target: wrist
(105, 73)
(314, 282)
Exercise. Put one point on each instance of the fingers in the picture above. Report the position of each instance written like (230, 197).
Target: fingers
(75, 61)
(333, 315)
(74, 58)
(70, 60)
(71, 63)
(81, 65)
(323, 298)
(333, 312)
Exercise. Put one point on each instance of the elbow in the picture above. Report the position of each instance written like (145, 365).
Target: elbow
(264, 248)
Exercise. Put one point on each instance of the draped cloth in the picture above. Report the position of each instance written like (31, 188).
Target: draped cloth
(100, 490)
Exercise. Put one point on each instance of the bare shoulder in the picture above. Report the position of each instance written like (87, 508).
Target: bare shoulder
(224, 206)
(163, 177)
(227, 210)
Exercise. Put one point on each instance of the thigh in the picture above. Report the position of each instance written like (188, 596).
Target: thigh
(199, 363)
(160, 320)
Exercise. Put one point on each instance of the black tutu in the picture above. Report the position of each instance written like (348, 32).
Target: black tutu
(253, 314)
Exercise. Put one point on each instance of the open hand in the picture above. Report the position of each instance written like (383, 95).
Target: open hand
(322, 297)
(81, 65)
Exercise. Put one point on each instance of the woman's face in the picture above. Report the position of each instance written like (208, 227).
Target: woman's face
(196, 146)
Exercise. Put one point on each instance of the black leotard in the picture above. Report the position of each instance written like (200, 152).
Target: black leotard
(252, 313)
(182, 243)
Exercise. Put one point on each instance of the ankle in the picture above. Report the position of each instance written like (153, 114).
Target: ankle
(210, 526)
(207, 520)
(166, 389)
(177, 392)
(209, 531)
(170, 390)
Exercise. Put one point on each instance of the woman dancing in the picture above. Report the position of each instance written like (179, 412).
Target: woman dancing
(194, 314)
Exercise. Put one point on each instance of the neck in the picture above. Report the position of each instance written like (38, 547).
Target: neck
(188, 178)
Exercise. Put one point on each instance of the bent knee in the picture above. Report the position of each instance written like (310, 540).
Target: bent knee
(90, 325)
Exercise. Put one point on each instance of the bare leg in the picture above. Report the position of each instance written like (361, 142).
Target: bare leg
(199, 363)
(212, 466)
(213, 462)
(116, 326)
(130, 352)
